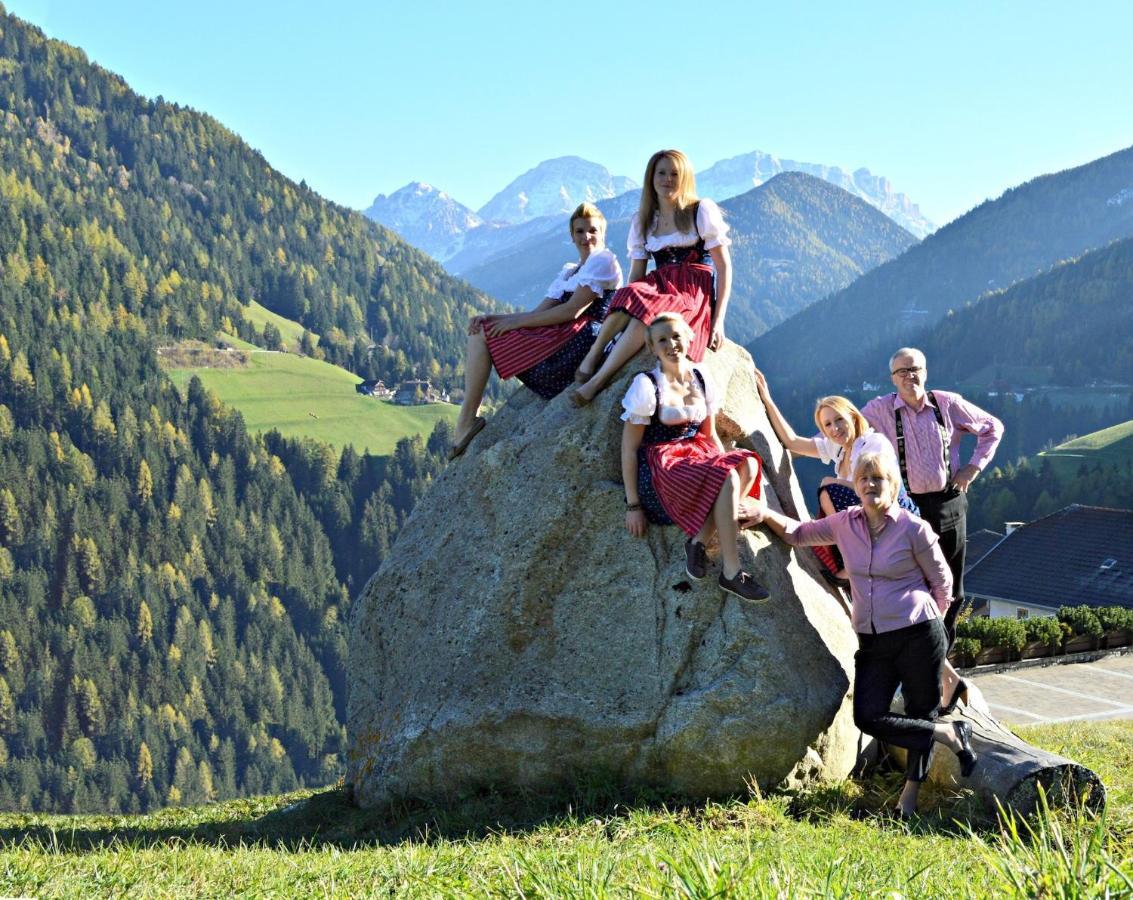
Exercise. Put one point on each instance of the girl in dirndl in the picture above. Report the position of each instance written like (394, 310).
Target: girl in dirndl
(674, 465)
(843, 436)
(544, 347)
(683, 235)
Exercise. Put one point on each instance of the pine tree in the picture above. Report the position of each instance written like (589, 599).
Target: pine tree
(143, 767)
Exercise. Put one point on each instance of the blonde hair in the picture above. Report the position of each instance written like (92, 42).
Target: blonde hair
(686, 192)
(841, 405)
(586, 210)
(880, 464)
(678, 322)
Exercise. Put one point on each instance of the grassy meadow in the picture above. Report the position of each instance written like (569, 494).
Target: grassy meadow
(290, 331)
(832, 842)
(1110, 445)
(304, 397)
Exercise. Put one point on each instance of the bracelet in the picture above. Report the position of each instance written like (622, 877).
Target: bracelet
(632, 507)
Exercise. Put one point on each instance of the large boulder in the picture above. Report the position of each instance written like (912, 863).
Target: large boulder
(518, 637)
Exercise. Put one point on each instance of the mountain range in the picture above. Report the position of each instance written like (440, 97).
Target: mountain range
(795, 239)
(538, 201)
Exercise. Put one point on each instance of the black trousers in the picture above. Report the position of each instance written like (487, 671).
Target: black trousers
(947, 513)
(911, 657)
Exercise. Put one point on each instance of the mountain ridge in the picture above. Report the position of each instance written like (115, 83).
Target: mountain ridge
(1012, 238)
(464, 249)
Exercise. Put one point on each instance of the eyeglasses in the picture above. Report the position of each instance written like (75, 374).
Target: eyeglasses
(906, 372)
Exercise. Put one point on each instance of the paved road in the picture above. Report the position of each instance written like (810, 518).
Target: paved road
(1065, 693)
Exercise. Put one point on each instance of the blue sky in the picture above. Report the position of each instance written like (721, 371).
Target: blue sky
(954, 103)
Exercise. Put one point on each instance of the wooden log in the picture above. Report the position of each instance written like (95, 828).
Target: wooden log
(1010, 771)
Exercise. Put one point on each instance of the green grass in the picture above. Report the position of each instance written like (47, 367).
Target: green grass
(1110, 445)
(289, 330)
(287, 392)
(592, 843)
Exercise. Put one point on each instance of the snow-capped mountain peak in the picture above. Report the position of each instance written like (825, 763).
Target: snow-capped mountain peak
(426, 217)
(554, 187)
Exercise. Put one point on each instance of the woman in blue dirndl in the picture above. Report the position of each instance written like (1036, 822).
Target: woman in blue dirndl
(675, 468)
(543, 348)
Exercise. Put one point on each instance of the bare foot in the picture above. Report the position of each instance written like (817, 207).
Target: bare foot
(583, 394)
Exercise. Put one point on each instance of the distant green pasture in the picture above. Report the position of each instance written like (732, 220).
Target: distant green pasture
(303, 397)
(1110, 445)
(290, 330)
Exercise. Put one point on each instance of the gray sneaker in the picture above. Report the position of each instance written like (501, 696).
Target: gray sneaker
(744, 586)
(696, 560)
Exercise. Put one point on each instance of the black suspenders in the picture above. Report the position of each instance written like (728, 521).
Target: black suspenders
(943, 441)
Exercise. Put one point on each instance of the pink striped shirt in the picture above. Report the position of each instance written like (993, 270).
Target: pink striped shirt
(898, 579)
(924, 454)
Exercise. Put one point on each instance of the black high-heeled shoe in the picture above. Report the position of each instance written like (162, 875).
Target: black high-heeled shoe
(967, 757)
(959, 695)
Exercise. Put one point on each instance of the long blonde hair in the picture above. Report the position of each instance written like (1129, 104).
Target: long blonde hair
(686, 192)
(851, 413)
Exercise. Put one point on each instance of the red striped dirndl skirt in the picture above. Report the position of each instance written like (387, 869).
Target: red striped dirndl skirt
(685, 288)
(517, 351)
(688, 474)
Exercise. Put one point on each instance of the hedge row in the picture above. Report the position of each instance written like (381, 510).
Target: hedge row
(979, 633)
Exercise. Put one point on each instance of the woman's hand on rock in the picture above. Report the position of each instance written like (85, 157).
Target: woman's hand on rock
(478, 323)
(636, 523)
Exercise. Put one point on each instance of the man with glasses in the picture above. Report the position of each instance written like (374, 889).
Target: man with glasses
(925, 428)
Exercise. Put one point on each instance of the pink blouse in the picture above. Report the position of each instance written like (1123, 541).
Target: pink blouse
(898, 579)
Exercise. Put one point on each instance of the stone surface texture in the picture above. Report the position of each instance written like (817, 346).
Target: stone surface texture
(517, 636)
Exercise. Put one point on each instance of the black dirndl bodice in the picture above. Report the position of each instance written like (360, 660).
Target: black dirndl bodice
(657, 432)
(669, 256)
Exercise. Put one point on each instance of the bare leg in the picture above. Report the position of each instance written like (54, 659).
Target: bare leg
(724, 513)
(908, 802)
(477, 368)
(614, 323)
(632, 340)
(942, 734)
(826, 504)
(950, 683)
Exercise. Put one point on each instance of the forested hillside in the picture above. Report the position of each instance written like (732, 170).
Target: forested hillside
(1076, 321)
(200, 222)
(1015, 237)
(173, 590)
(1031, 489)
(796, 239)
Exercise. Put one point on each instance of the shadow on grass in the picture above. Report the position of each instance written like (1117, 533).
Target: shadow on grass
(330, 819)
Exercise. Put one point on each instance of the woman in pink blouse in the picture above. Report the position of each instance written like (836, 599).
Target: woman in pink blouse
(901, 587)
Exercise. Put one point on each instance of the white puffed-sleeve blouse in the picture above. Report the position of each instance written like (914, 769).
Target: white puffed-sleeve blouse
(640, 401)
(871, 442)
(710, 225)
(600, 273)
